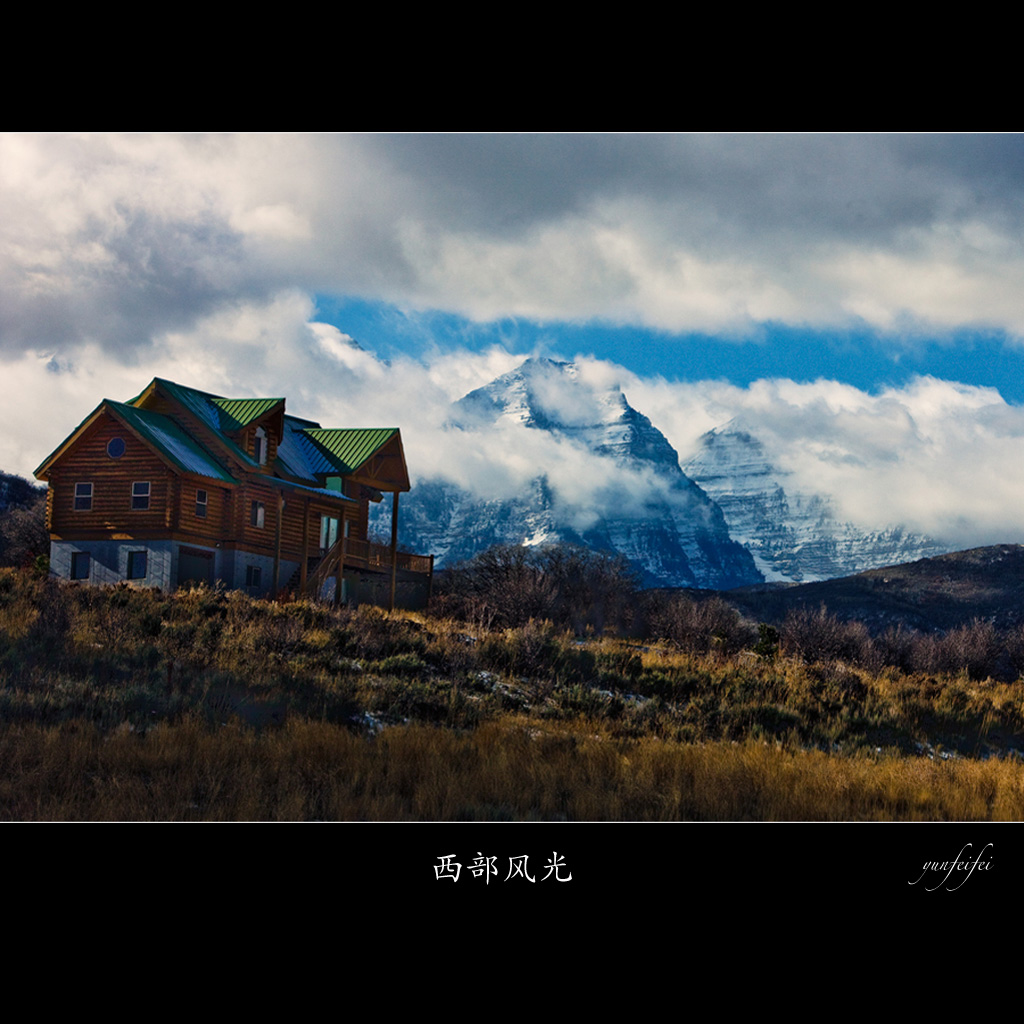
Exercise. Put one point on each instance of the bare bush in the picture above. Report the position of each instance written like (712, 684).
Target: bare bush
(699, 625)
(819, 636)
(508, 585)
(976, 648)
(23, 533)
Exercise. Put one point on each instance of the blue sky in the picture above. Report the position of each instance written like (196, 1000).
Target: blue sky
(862, 357)
(855, 299)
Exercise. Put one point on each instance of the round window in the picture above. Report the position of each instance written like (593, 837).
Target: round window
(115, 447)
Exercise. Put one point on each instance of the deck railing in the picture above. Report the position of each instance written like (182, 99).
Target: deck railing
(370, 555)
(362, 554)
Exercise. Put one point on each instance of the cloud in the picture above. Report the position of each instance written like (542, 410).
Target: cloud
(934, 456)
(115, 239)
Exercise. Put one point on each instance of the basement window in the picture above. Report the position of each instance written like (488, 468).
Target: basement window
(83, 500)
(253, 575)
(137, 562)
(201, 503)
(140, 496)
(79, 565)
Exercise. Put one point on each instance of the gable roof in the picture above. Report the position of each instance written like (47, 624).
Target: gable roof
(297, 456)
(348, 448)
(225, 415)
(306, 452)
(171, 441)
(158, 431)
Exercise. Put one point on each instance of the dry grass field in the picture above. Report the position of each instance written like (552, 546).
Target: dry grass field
(129, 704)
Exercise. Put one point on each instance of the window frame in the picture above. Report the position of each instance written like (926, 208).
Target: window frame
(258, 515)
(202, 502)
(253, 576)
(260, 446)
(83, 500)
(138, 497)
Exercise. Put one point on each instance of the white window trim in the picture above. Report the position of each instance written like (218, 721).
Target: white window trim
(260, 446)
(137, 495)
(83, 497)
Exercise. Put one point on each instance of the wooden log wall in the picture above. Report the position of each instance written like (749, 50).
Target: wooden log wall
(111, 506)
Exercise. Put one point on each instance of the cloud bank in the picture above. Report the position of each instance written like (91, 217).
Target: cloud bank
(114, 240)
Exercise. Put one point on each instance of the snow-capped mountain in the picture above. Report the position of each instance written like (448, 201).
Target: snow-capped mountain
(794, 536)
(616, 484)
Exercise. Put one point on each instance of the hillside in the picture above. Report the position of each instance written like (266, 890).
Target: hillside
(120, 704)
(795, 535)
(937, 593)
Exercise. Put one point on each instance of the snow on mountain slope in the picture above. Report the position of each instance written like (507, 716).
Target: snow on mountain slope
(794, 536)
(616, 484)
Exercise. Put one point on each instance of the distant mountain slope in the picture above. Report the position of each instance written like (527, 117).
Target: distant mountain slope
(793, 535)
(23, 533)
(17, 491)
(636, 499)
(933, 593)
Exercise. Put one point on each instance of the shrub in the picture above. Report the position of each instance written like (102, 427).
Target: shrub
(819, 636)
(767, 647)
(698, 625)
(508, 585)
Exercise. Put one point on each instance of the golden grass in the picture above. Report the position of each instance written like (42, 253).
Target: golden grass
(509, 770)
(118, 705)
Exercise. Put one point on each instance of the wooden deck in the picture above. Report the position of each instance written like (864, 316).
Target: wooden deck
(365, 554)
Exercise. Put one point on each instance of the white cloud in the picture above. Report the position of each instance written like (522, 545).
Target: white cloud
(116, 239)
(934, 456)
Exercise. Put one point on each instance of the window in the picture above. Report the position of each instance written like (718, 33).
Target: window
(137, 565)
(116, 447)
(256, 516)
(252, 575)
(201, 503)
(260, 450)
(83, 498)
(328, 532)
(79, 565)
(140, 496)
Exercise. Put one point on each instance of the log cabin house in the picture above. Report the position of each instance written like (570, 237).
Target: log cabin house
(178, 486)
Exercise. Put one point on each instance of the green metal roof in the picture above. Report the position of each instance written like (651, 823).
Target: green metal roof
(349, 447)
(305, 450)
(236, 413)
(224, 415)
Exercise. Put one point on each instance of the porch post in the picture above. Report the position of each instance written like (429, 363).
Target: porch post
(394, 548)
(343, 541)
(303, 563)
(277, 545)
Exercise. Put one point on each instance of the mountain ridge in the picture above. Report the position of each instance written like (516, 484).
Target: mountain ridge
(794, 536)
(638, 501)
